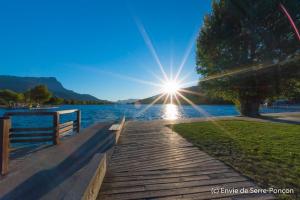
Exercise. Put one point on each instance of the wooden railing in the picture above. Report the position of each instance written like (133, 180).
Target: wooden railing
(10, 135)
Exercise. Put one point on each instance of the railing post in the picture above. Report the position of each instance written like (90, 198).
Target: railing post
(78, 114)
(5, 125)
(56, 128)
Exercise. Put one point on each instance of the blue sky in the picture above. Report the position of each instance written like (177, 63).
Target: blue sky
(94, 46)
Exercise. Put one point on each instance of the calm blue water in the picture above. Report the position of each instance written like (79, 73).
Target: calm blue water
(101, 113)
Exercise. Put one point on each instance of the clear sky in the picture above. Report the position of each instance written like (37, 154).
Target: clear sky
(94, 46)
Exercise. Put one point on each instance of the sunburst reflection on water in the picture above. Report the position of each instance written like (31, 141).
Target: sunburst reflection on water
(171, 112)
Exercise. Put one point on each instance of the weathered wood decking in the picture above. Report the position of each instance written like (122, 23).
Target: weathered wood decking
(74, 169)
(152, 162)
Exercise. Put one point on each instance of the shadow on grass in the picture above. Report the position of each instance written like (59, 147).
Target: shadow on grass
(279, 119)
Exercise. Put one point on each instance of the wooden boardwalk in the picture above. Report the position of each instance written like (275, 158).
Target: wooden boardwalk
(152, 162)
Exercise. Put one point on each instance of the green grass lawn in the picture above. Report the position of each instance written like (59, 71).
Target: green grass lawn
(269, 153)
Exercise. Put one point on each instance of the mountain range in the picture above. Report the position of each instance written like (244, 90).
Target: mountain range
(127, 101)
(193, 94)
(22, 84)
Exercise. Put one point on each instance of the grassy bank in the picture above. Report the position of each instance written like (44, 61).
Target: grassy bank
(269, 153)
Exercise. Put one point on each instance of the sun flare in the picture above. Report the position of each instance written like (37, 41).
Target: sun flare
(170, 87)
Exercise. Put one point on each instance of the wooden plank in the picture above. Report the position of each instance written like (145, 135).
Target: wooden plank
(5, 124)
(151, 181)
(75, 127)
(203, 192)
(17, 135)
(66, 124)
(129, 177)
(62, 112)
(156, 186)
(185, 160)
(155, 155)
(56, 128)
(61, 135)
(31, 140)
(115, 127)
(176, 172)
(124, 149)
(31, 129)
(28, 113)
(66, 129)
(157, 158)
(78, 121)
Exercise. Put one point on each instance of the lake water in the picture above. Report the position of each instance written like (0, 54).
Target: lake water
(101, 113)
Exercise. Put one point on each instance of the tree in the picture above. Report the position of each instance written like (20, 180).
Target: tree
(27, 96)
(40, 94)
(2, 102)
(247, 49)
(9, 96)
(55, 101)
(291, 90)
(20, 98)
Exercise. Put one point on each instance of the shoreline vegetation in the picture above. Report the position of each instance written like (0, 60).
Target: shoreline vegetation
(266, 152)
(41, 97)
(38, 97)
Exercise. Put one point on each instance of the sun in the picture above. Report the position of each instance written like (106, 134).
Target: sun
(170, 87)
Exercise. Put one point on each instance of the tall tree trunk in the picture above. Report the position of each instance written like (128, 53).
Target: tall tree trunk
(250, 107)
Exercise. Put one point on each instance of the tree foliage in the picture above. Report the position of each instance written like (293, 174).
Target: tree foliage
(9, 96)
(55, 101)
(40, 94)
(247, 50)
(291, 90)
